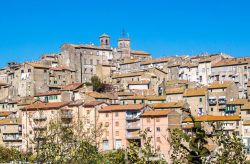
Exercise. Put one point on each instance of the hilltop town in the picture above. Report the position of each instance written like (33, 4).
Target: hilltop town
(140, 92)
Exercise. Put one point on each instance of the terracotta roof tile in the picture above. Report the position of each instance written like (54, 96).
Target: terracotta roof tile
(237, 102)
(38, 65)
(192, 92)
(52, 105)
(246, 106)
(156, 60)
(11, 121)
(123, 75)
(48, 93)
(71, 87)
(229, 62)
(125, 94)
(5, 113)
(122, 107)
(135, 97)
(170, 91)
(171, 82)
(168, 105)
(142, 82)
(219, 84)
(139, 52)
(208, 118)
(98, 95)
(151, 113)
(60, 68)
(156, 98)
(93, 104)
(130, 61)
(246, 122)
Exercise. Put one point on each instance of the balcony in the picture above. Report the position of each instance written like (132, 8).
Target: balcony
(133, 135)
(212, 101)
(7, 138)
(132, 117)
(39, 127)
(40, 118)
(222, 101)
(67, 125)
(133, 126)
(39, 138)
(66, 115)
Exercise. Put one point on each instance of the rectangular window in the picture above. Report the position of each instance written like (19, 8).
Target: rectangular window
(158, 139)
(116, 123)
(91, 61)
(106, 124)
(22, 71)
(157, 119)
(117, 133)
(116, 114)
(200, 99)
(105, 145)
(88, 112)
(158, 129)
(148, 120)
(107, 115)
(29, 70)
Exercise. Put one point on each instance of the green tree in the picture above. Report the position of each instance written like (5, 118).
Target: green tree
(194, 147)
(10, 154)
(98, 86)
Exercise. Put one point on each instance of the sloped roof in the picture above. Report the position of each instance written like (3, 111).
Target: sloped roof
(208, 118)
(170, 91)
(167, 105)
(48, 93)
(237, 102)
(122, 107)
(139, 52)
(142, 82)
(11, 121)
(230, 62)
(131, 74)
(130, 61)
(71, 87)
(219, 84)
(38, 65)
(155, 113)
(51, 105)
(93, 104)
(192, 92)
(155, 98)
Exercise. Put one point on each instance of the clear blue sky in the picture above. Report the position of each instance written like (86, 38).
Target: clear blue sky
(29, 28)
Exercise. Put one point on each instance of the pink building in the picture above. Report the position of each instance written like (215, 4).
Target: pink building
(157, 123)
(121, 125)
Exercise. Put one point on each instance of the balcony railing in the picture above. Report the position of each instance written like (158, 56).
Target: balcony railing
(67, 125)
(133, 126)
(133, 136)
(66, 115)
(39, 127)
(132, 117)
(12, 138)
(40, 118)
(222, 102)
(212, 102)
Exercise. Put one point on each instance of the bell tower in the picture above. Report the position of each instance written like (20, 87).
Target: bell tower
(104, 41)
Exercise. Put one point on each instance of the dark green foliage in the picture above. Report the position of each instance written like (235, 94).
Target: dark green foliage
(193, 148)
(98, 86)
(8, 155)
(114, 157)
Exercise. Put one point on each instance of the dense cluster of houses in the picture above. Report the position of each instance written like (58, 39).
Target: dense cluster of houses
(144, 93)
